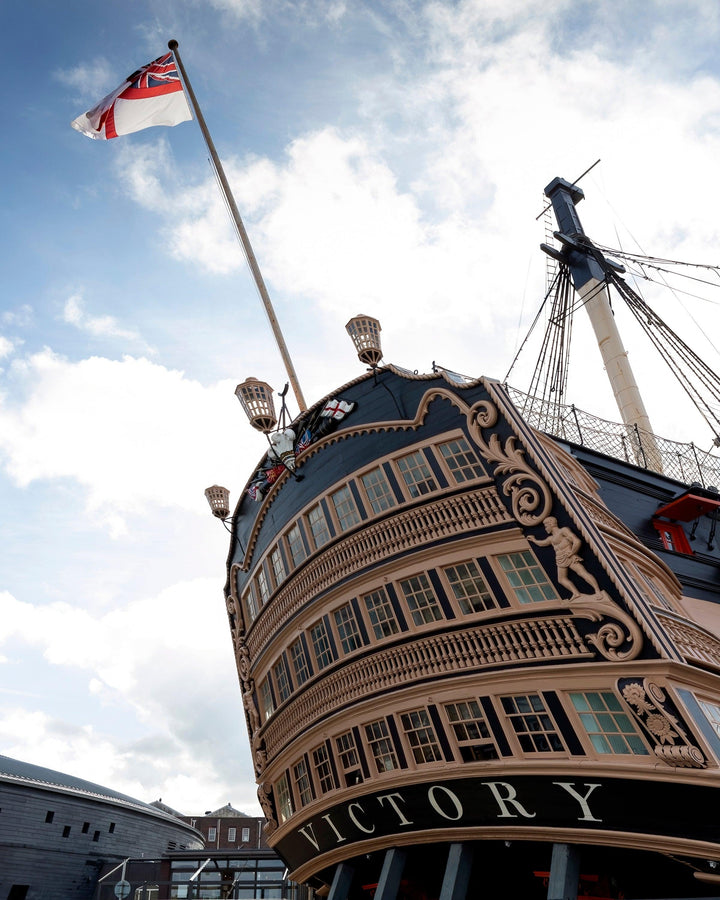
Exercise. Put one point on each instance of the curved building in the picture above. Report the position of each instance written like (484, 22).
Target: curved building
(57, 832)
(471, 663)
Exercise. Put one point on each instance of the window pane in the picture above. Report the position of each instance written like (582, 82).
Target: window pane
(421, 600)
(536, 733)
(321, 645)
(469, 588)
(609, 731)
(381, 613)
(318, 526)
(527, 578)
(421, 736)
(416, 474)
(300, 662)
(381, 746)
(377, 488)
(462, 461)
(296, 545)
(348, 629)
(345, 508)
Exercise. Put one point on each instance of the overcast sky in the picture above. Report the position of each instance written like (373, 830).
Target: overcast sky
(388, 158)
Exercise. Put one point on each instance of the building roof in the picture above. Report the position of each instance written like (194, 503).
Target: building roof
(228, 812)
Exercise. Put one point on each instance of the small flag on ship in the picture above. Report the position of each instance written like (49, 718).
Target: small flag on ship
(151, 96)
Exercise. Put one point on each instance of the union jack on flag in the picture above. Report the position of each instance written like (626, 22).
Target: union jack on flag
(152, 95)
(304, 441)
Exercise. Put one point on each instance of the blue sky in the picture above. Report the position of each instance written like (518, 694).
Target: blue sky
(388, 158)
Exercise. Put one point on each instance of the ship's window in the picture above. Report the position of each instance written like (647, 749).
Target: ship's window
(49, 816)
(673, 536)
(378, 490)
(533, 725)
(251, 603)
(712, 712)
(96, 836)
(349, 759)
(421, 600)
(416, 474)
(263, 586)
(278, 566)
(382, 614)
(469, 587)
(471, 731)
(303, 786)
(323, 769)
(609, 728)
(266, 698)
(66, 831)
(345, 508)
(284, 798)
(85, 827)
(296, 544)
(111, 828)
(321, 645)
(347, 628)
(282, 680)
(421, 736)
(527, 579)
(650, 590)
(381, 746)
(300, 662)
(318, 526)
(461, 460)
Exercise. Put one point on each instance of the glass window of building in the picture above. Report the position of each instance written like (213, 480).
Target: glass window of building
(421, 599)
(469, 588)
(278, 566)
(347, 628)
(345, 508)
(462, 460)
(378, 490)
(284, 798)
(381, 613)
(232, 833)
(323, 769)
(300, 662)
(471, 731)
(318, 526)
(321, 644)
(416, 474)
(303, 787)
(212, 834)
(381, 746)
(526, 577)
(421, 736)
(535, 729)
(608, 726)
(296, 545)
(245, 835)
(263, 586)
(283, 685)
(266, 698)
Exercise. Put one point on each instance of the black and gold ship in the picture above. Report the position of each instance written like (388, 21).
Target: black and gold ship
(477, 659)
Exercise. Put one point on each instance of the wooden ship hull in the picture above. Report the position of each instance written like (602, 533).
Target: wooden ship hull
(476, 659)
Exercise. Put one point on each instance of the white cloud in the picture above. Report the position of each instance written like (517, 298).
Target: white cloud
(98, 326)
(6, 347)
(90, 80)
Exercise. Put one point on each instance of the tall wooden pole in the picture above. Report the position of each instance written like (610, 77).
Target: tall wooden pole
(242, 234)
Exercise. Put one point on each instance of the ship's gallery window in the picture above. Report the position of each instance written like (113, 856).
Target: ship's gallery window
(416, 474)
(300, 662)
(278, 566)
(296, 545)
(321, 645)
(284, 798)
(266, 698)
(607, 725)
(318, 526)
(378, 490)
(251, 602)
(535, 729)
(526, 577)
(421, 600)
(469, 588)
(345, 508)
(263, 586)
(471, 731)
(381, 613)
(303, 786)
(461, 460)
(421, 736)
(381, 746)
(349, 758)
(283, 684)
(712, 713)
(347, 628)
(323, 769)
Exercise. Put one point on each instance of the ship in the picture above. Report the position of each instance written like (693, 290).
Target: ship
(478, 645)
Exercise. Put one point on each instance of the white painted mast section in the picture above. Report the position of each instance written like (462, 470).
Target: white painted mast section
(585, 268)
(242, 234)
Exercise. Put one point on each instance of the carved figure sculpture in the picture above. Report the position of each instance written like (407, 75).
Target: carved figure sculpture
(566, 545)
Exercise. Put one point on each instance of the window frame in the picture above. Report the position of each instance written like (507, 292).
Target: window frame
(527, 738)
(487, 598)
(345, 521)
(532, 564)
(371, 495)
(451, 470)
(408, 486)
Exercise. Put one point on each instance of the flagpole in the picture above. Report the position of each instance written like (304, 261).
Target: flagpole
(242, 234)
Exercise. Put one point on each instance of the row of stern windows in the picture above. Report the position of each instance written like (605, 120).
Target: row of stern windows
(399, 607)
(401, 480)
(469, 730)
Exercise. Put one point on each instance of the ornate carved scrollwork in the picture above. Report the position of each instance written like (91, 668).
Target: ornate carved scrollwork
(610, 636)
(529, 495)
(264, 793)
(661, 721)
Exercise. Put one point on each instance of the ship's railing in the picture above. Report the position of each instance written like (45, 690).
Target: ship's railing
(683, 462)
